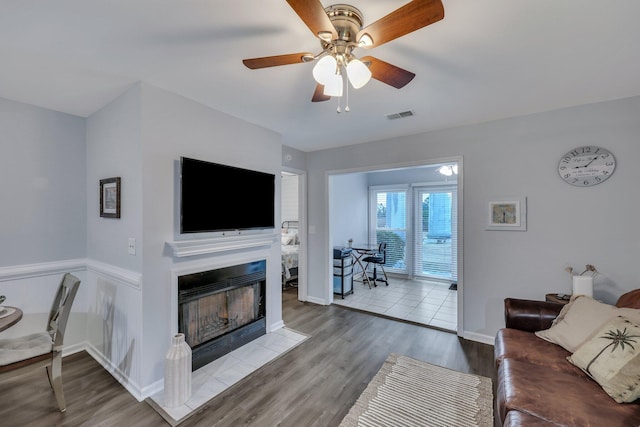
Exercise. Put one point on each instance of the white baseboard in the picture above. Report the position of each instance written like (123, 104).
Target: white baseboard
(276, 326)
(74, 348)
(472, 336)
(133, 388)
(318, 301)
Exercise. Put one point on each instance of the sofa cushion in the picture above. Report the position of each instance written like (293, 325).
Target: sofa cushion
(631, 299)
(580, 319)
(559, 397)
(612, 358)
(517, 418)
(527, 347)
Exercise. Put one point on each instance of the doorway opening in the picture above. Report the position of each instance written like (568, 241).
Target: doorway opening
(416, 211)
(293, 233)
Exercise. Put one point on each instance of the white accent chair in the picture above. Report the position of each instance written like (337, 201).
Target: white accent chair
(42, 349)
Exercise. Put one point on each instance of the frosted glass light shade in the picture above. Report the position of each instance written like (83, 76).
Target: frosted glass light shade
(359, 74)
(445, 170)
(325, 69)
(448, 170)
(333, 87)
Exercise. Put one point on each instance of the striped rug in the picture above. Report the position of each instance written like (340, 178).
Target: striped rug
(408, 392)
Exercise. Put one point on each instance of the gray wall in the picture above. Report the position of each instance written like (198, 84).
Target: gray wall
(348, 201)
(567, 225)
(293, 159)
(114, 150)
(43, 198)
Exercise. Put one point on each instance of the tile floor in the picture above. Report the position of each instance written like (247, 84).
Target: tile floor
(214, 378)
(420, 301)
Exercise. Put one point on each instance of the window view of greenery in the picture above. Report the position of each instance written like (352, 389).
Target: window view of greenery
(391, 226)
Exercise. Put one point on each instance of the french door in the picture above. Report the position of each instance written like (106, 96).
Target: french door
(435, 237)
(419, 225)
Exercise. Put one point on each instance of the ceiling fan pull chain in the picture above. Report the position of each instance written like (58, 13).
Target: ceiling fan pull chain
(338, 109)
(346, 108)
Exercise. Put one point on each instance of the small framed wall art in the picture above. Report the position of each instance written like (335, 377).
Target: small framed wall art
(110, 197)
(508, 214)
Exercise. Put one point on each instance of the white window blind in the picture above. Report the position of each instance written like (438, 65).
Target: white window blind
(435, 237)
(388, 215)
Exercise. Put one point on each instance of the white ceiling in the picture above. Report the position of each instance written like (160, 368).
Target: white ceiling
(485, 60)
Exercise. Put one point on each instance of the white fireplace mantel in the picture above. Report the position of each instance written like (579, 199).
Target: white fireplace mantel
(186, 248)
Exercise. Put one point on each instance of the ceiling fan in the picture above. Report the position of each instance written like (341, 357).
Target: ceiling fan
(340, 31)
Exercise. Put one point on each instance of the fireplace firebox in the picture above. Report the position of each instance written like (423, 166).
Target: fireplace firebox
(221, 310)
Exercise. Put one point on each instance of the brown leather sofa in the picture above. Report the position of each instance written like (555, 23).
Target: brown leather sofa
(537, 386)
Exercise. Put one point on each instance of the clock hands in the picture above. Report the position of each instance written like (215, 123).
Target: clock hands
(584, 166)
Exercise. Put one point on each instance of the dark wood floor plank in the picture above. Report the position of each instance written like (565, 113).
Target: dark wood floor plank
(314, 384)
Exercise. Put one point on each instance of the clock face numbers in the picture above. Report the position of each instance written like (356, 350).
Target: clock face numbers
(586, 166)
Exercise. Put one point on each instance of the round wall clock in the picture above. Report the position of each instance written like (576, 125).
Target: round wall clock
(586, 166)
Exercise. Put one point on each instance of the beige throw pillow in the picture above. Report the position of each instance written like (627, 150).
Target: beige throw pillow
(612, 358)
(580, 319)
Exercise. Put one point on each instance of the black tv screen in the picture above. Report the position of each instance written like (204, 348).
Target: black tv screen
(215, 197)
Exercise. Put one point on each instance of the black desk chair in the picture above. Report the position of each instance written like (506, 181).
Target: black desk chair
(377, 259)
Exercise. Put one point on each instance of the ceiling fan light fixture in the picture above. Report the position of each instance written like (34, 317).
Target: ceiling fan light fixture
(448, 170)
(325, 69)
(358, 73)
(365, 40)
(334, 86)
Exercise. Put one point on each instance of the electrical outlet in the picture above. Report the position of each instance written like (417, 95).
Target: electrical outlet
(132, 246)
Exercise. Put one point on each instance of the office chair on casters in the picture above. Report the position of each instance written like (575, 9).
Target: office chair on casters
(377, 259)
(42, 349)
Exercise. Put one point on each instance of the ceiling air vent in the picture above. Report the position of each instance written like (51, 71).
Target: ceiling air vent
(401, 115)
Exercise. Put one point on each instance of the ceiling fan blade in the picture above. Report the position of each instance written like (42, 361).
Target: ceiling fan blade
(411, 17)
(388, 73)
(313, 14)
(318, 94)
(274, 61)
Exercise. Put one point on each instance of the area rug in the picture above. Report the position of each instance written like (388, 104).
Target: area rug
(408, 392)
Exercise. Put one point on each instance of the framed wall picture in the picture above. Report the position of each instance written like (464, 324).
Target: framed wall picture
(110, 197)
(509, 214)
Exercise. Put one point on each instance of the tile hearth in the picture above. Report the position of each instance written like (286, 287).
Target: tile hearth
(214, 378)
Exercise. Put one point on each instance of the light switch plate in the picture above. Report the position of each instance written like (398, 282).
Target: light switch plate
(132, 246)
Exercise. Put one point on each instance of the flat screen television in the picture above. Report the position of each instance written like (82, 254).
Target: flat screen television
(216, 197)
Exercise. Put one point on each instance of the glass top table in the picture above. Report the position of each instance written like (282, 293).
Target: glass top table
(359, 250)
(10, 317)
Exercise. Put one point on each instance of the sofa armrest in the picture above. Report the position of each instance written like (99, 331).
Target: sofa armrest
(530, 315)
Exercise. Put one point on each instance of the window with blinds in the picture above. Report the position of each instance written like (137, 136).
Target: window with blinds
(435, 232)
(388, 216)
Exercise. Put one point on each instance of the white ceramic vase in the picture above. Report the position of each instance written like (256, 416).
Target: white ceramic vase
(177, 372)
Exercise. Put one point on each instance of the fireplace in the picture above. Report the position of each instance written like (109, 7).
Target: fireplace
(223, 309)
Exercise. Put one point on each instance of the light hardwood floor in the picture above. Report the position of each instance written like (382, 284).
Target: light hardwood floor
(315, 384)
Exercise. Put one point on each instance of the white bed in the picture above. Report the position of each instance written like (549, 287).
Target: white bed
(290, 245)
